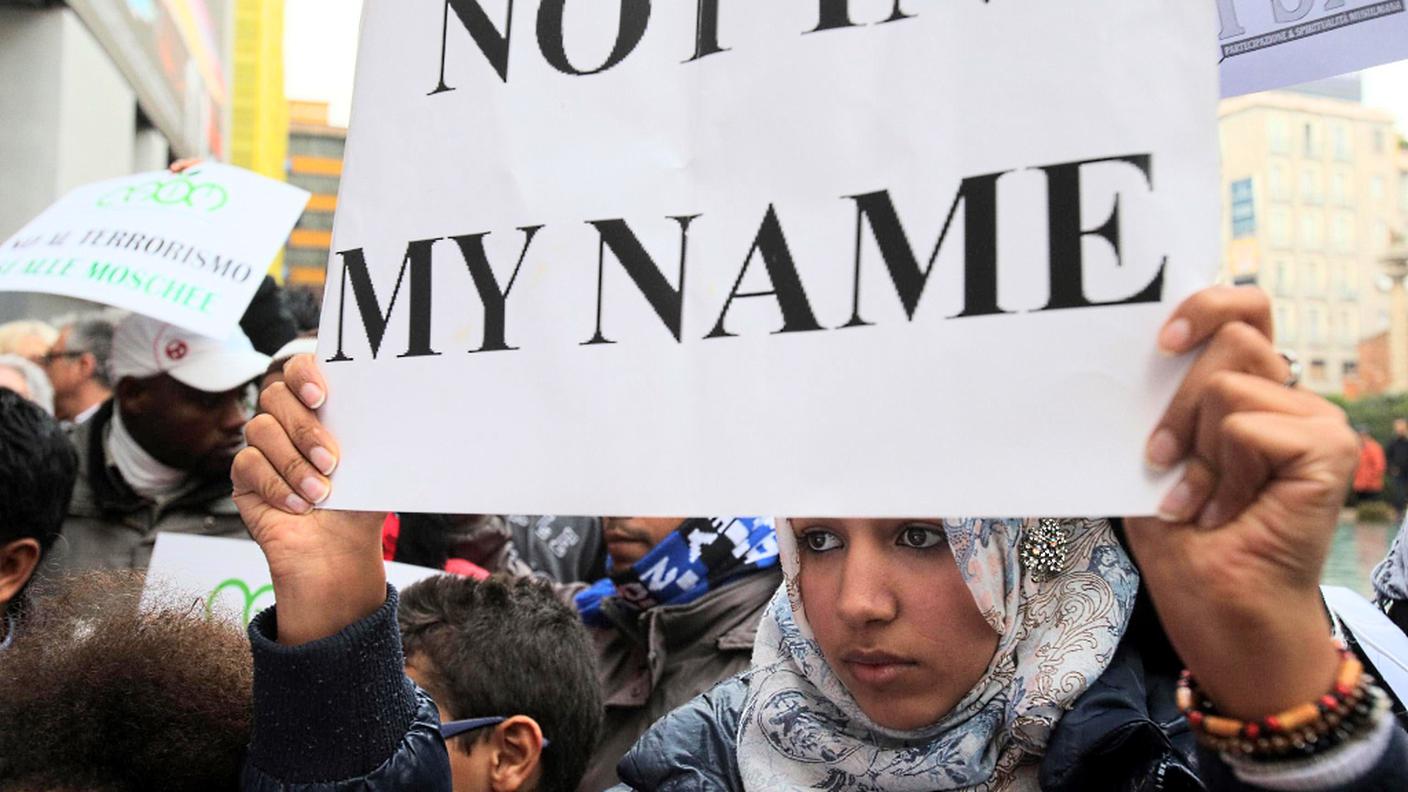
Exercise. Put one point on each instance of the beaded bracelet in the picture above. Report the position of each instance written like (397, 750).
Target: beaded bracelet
(1351, 708)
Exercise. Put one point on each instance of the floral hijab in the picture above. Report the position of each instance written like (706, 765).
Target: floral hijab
(801, 729)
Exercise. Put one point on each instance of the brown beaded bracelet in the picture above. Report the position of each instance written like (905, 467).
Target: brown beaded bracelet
(1351, 707)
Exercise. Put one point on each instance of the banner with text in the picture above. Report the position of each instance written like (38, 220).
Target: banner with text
(188, 248)
(1268, 44)
(230, 576)
(820, 257)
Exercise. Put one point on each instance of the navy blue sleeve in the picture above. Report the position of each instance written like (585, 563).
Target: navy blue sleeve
(1389, 774)
(339, 713)
(692, 748)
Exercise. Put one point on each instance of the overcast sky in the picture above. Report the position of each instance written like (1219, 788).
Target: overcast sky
(320, 49)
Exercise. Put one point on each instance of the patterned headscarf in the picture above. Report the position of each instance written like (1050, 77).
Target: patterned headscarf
(801, 729)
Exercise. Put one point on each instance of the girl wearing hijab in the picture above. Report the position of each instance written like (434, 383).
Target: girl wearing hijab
(984, 654)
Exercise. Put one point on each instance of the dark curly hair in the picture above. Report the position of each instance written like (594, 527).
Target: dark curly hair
(508, 647)
(97, 694)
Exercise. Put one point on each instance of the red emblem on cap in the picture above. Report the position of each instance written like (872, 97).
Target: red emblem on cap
(176, 350)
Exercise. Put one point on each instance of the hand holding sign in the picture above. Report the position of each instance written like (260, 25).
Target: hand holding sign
(326, 566)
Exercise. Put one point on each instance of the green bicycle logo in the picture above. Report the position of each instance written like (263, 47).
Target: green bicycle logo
(179, 191)
(250, 597)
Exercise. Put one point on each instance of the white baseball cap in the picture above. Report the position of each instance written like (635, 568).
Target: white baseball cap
(145, 347)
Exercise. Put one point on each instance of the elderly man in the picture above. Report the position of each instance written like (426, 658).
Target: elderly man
(156, 457)
(77, 365)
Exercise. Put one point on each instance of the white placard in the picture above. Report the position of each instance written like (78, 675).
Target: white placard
(1267, 44)
(679, 226)
(230, 576)
(189, 249)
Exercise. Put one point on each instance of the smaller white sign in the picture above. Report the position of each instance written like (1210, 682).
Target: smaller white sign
(1268, 44)
(230, 576)
(187, 248)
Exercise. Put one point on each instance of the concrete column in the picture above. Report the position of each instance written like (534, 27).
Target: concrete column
(70, 118)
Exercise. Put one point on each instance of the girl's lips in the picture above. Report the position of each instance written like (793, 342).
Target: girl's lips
(876, 668)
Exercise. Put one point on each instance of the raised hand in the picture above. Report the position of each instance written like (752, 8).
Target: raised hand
(326, 565)
(1233, 561)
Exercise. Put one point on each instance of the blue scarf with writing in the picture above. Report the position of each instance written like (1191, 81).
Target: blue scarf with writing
(702, 554)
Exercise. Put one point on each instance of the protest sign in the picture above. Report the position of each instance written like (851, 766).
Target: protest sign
(802, 257)
(189, 249)
(229, 575)
(1267, 44)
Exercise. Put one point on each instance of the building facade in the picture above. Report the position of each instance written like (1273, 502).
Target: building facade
(95, 89)
(1309, 191)
(314, 163)
(259, 111)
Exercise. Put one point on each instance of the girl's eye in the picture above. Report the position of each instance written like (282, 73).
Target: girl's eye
(921, 537)
(820, 541)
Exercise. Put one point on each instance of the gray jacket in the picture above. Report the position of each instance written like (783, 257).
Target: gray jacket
(671, 654)
(111, 527)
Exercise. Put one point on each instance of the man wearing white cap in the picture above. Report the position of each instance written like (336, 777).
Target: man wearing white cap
(156, 457)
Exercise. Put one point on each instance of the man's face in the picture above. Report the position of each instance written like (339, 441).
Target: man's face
(66, 370)
(185, 428)
(628, 539)
(1400, 427)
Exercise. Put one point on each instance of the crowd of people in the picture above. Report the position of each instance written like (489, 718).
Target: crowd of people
(1187, 651)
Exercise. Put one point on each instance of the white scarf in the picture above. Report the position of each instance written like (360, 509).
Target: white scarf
(801, 729)
(142, 472)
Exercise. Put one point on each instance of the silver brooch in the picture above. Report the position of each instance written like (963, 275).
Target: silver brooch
(1044, 549)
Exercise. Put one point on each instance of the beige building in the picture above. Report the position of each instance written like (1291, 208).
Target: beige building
(1312, 188)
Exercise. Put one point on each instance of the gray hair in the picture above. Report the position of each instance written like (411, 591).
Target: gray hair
(92, 333)
(41, 391)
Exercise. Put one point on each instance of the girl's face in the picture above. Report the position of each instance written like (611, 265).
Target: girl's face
(893, 616)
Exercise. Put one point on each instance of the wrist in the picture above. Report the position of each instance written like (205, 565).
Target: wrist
(1258, 668)
(318, 598)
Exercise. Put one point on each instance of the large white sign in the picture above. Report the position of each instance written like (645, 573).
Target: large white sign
(229, 577)
(1266, 44)
(794, 257)
(188, 248)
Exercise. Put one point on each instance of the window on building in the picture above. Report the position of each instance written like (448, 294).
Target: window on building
(1243, 209)
(1310, 188)
(1339, 188)
(1342, 232)
(1348, 323)
(1316, 278)
(1317, 323)
(1278, 135)
(1285, 273)
(1279, 227)
(1312, 230)
(1379, 140)
(1284, 314)
(1310, 140)
(1277, 184)
(1376, 187)
(1349, 283)
(1317, 369)
(1350, 369)
(1340, 141)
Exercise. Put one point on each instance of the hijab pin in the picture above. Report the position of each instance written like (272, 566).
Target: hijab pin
(1044, 549)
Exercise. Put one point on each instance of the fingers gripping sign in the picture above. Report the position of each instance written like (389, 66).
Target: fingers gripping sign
(326, 565)
(1233, 560)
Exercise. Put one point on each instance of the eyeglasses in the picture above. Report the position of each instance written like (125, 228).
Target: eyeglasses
(458, 727)
(48, 358)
